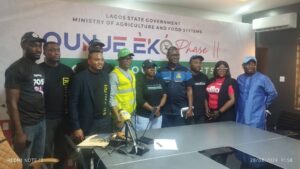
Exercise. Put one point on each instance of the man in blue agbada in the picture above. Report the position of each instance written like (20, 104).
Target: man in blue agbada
(256, 93)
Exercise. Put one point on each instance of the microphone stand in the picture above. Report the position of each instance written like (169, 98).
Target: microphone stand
(144, 139)
(137, 149)
(130, 129)
(141, 138)
(123, 149)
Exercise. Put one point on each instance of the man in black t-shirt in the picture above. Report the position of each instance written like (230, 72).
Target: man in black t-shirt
(199, 87)
(94, 45)
(89, 99)
(55, 91)
(24, 82)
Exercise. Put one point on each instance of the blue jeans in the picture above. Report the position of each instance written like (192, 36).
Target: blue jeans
(142, 122)
(55, 145)
(36, 134)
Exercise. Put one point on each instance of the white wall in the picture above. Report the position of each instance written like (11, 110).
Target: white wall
(165, 9)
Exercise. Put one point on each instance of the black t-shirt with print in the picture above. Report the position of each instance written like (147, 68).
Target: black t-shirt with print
(28, 77)
(199, 89)
(56, 89)
(150, 91)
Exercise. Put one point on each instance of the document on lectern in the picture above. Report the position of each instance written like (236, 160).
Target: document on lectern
(94, 141)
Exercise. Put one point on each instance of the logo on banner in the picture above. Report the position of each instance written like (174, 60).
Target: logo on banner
(165, 45)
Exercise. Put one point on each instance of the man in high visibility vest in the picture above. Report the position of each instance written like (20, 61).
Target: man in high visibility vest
(123, 90)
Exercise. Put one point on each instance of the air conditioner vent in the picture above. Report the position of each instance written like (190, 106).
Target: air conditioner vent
(273, 23)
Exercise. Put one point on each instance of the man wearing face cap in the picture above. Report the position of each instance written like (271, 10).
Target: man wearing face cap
(123, 90)
(256, 93)
(94, 45)
(24, 82)
(199, 90)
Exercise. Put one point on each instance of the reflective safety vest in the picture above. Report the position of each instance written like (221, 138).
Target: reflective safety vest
(126, 94)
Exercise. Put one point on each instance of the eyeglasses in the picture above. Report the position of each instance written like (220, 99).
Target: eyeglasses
(222, 68)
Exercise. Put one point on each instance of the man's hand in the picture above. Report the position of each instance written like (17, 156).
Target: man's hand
(189, 113)
(20, 141)
(215, 114)
(118, 121)
(157, 112)
(78, 135)
(208, 113)
(119, 124)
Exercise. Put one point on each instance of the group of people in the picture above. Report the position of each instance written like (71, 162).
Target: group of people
(48, 100)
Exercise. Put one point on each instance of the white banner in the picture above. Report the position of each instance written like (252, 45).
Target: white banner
(73, 25)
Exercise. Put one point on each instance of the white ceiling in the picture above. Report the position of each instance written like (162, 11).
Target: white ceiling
(230, 7)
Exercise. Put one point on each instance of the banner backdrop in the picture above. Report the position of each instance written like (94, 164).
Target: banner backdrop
(147, 35)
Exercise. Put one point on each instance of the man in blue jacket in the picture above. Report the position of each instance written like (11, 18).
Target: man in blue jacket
(178, 81)
(256, 93)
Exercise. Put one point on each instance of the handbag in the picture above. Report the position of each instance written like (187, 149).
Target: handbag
(8, 158)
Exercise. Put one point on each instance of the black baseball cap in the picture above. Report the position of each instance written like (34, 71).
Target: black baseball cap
(95, 42)
(31, 37)
(96, 45)
(148, 63)
(196, 57)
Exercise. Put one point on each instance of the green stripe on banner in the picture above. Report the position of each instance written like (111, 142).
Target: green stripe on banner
(207, 67)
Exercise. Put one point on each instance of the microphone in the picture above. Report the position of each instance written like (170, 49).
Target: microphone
(124, 115)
